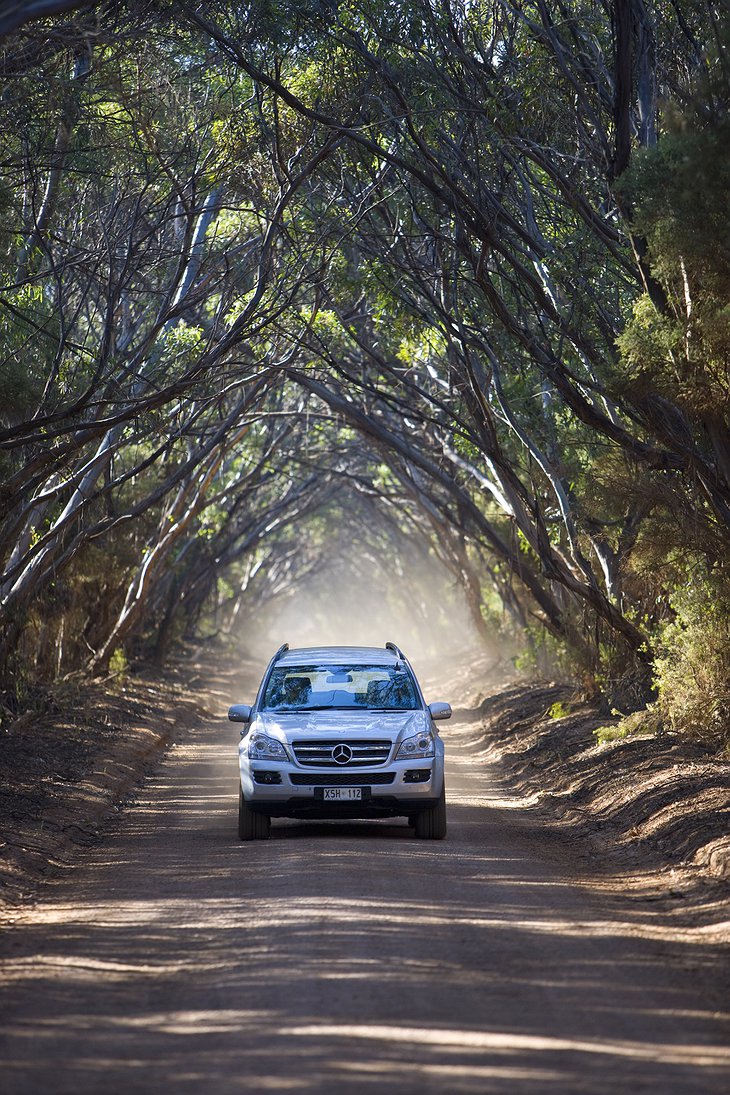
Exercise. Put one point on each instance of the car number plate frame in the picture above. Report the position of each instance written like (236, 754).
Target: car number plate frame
(343, 794)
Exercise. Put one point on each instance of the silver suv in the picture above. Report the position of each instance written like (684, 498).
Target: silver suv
(340, 732)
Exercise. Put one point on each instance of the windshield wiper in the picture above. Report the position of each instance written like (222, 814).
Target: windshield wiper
(346, 707)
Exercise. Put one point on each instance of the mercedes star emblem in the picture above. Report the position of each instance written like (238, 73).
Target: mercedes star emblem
(342, 754)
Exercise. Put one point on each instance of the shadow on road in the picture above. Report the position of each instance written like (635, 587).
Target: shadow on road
(350, 957)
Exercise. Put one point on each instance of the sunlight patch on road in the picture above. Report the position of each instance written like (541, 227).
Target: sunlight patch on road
(326, 913)
(197, 1023)
(36, 968)
(509, 1042)
(391, 1071)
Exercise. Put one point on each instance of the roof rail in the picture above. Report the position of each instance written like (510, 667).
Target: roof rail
(396, 650)
(282, 650)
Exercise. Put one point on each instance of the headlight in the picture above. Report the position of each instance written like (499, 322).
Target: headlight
(420, 745)
(261, 747)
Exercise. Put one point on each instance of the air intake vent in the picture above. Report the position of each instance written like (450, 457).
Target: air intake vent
(340, 779)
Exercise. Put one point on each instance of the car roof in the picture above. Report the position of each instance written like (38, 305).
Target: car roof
(336, 655)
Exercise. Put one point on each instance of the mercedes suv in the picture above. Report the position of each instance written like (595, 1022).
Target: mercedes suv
(340, 732)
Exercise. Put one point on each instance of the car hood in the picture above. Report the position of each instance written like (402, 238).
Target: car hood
(341, 724)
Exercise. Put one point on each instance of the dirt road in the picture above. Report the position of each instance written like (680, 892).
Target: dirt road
(351, 957)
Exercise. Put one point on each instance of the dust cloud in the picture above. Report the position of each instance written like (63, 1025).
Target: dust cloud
(360, 600)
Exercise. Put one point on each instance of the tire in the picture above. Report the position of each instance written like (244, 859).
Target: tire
(251, 826)
(431, 823)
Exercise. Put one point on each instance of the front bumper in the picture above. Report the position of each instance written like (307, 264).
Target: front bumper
(398, 790)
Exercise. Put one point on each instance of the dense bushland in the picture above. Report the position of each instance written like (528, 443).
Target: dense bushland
(450, 282)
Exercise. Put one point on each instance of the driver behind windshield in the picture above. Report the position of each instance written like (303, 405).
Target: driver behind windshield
(310, 687)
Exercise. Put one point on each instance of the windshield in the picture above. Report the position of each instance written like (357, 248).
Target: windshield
(313, 687)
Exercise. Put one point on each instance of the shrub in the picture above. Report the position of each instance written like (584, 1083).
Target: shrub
(118, 663)
(647, 721)
(692, 663)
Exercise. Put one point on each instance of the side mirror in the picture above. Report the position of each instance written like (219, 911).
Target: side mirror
(439, 711)
(240, 712)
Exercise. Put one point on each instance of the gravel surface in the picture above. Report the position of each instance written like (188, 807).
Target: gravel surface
(511, 957)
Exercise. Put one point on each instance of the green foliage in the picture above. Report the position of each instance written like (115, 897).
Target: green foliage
(558, 710)
(25, 358)
(118, 663)
(679, 189)
(648, 344)
(645, 722)
(181, 344)
(692, 664)
(544, 654)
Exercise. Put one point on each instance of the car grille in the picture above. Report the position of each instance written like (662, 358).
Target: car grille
(320, 753)
(341, 779)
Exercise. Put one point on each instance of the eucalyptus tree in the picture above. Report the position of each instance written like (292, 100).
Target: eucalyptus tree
(427, 224)
(499, 136)
(142, 270)
(454, 98)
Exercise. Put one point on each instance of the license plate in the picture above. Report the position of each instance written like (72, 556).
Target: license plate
(341, 794)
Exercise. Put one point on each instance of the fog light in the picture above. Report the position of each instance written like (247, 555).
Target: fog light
(266, 777)
(417, 775)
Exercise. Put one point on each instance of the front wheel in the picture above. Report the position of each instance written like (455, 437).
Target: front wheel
(431, 824)
(251, 826)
